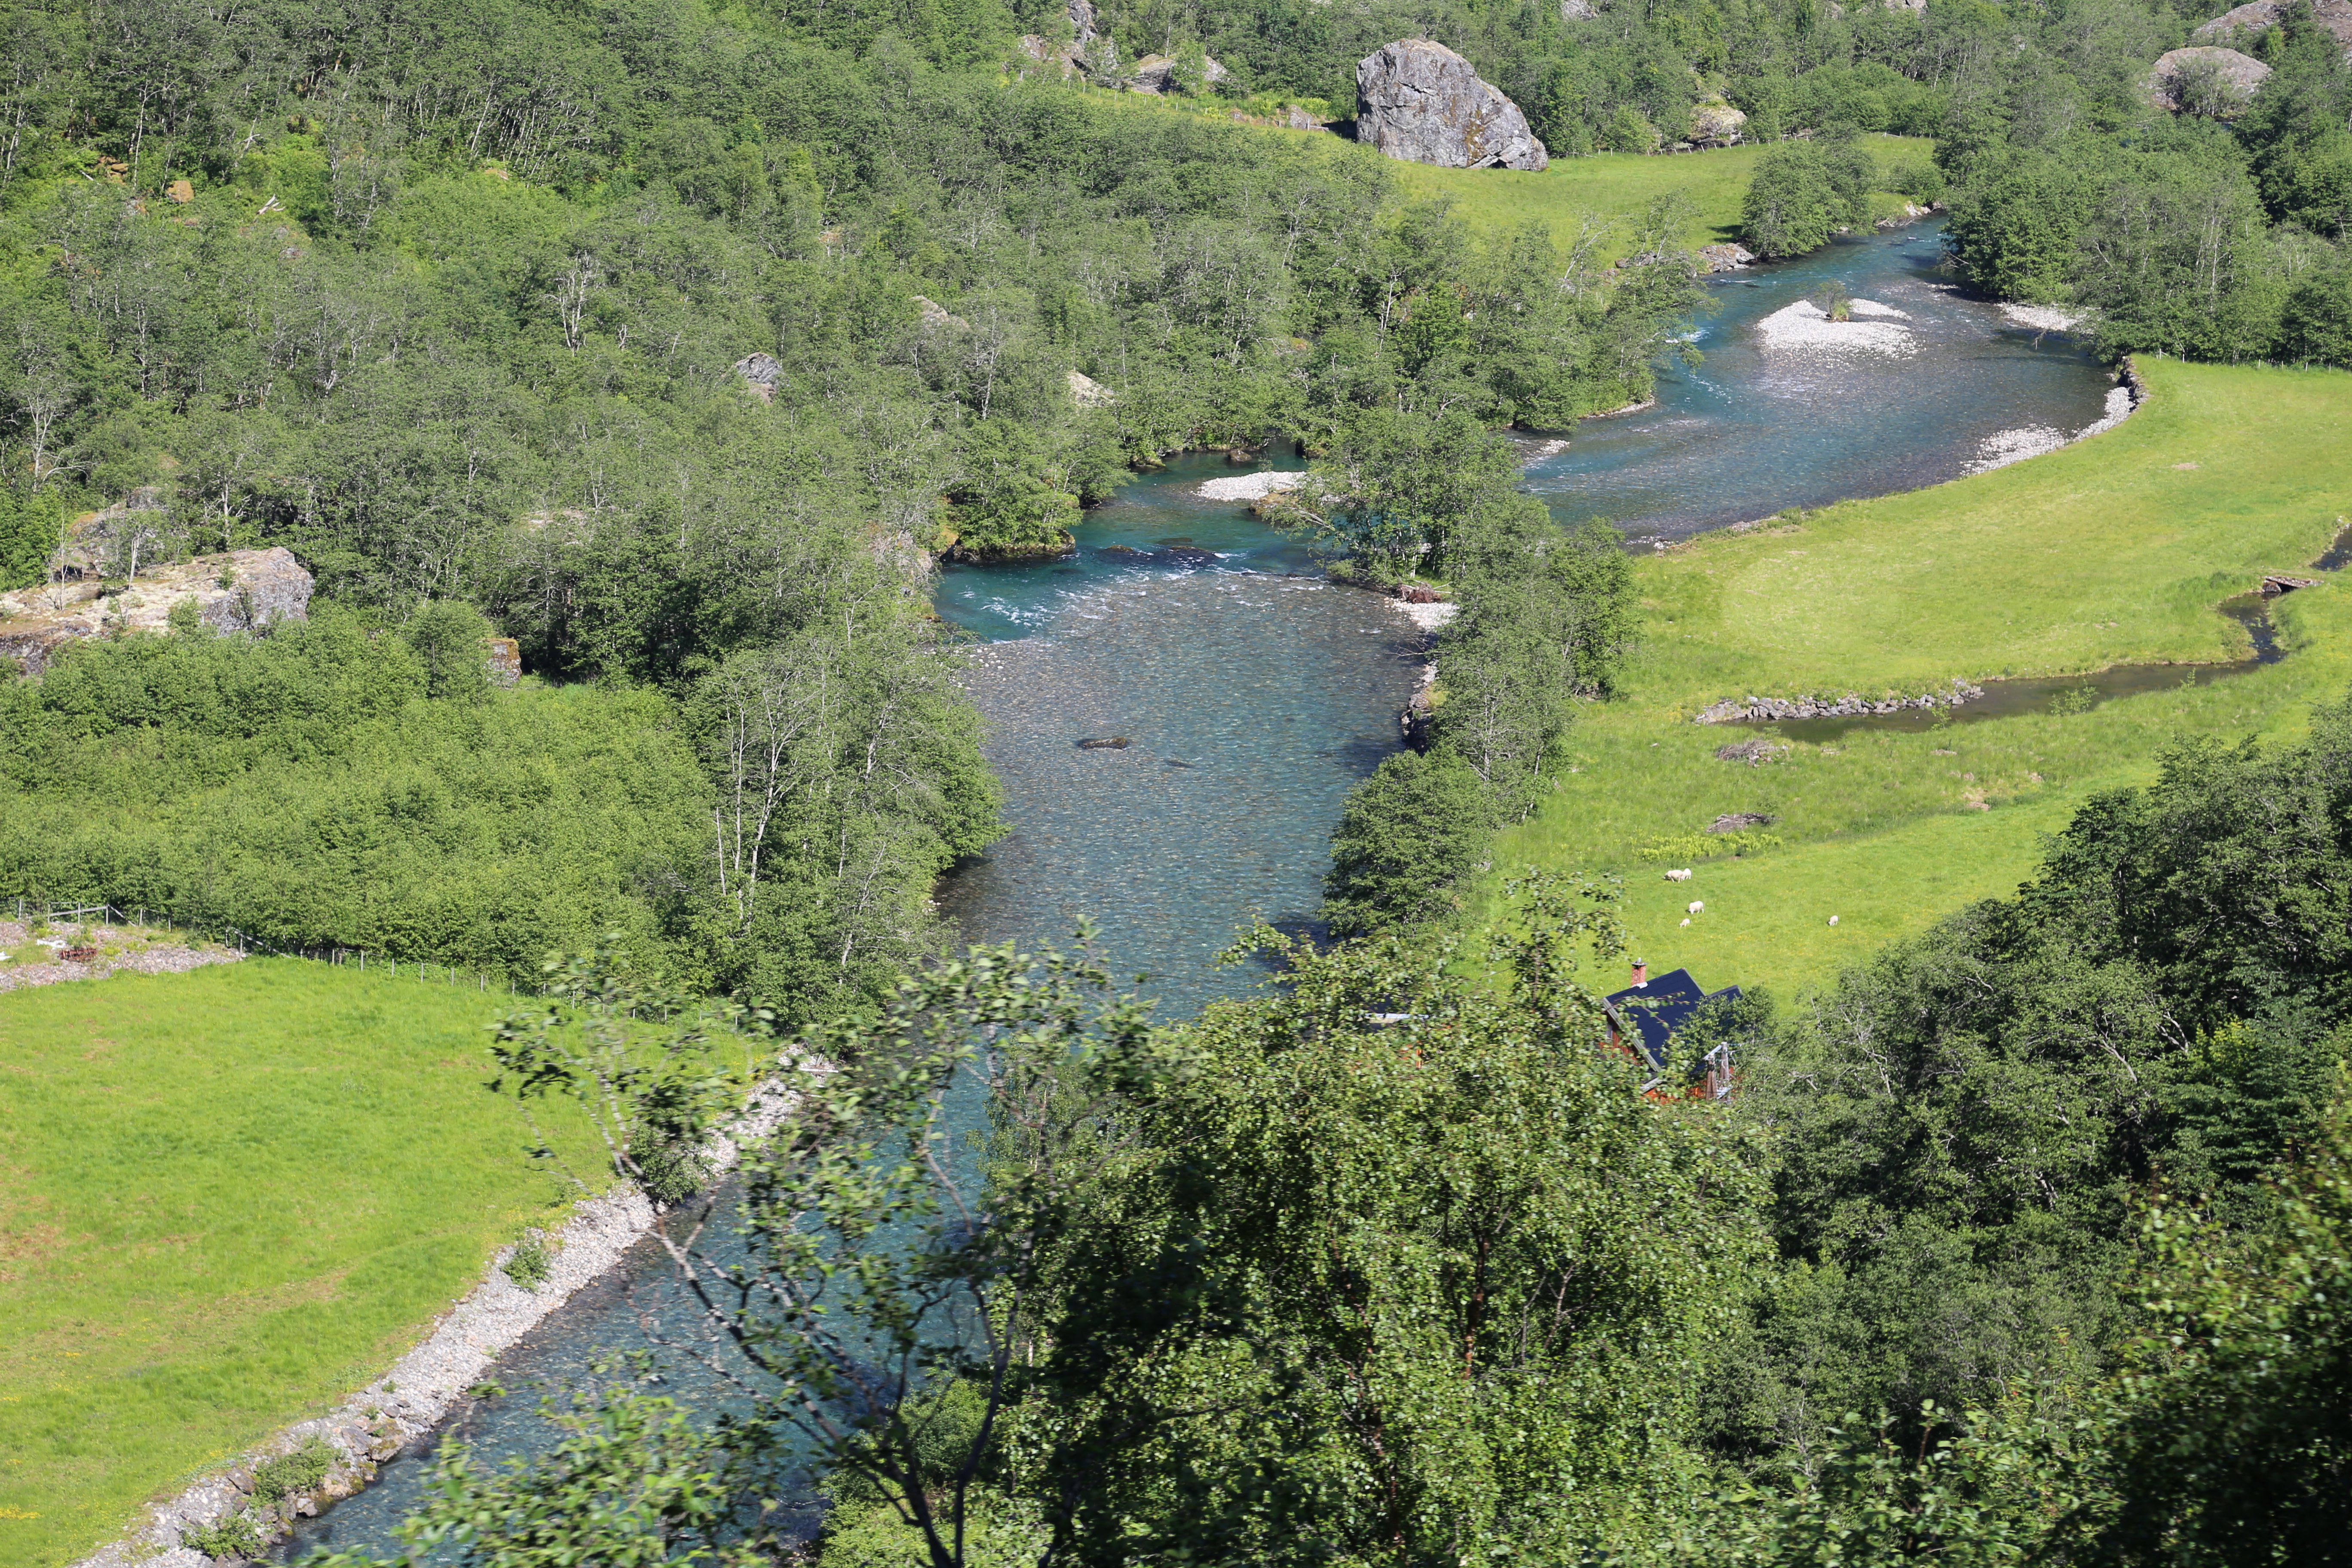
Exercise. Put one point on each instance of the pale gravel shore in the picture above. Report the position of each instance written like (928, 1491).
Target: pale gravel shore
(2003, 448)
(1428, 617)
(2042, 318)
(1247, 487)
(1805, 328)
(409, 1401)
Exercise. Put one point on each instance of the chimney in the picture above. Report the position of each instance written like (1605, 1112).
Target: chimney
(1640, 974)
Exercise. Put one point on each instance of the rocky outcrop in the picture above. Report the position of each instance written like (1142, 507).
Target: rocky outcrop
(1419, 102)
(240, 591)
(1725, 258)
(1088, 392)
(2204, 80)
(1715, 125)
(2250, 21)
(1767, 710)
(761, 374)
(1156, 73)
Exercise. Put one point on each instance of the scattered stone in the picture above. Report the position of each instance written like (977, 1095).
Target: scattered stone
(1725, 258)
(1772, 710)
(1753, 753)
(2042, 318)
(1738, 822)
(1419, 102)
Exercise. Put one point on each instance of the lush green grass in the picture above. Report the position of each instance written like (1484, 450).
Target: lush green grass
(2103, 553)
(1617, 186)
(226, 1198)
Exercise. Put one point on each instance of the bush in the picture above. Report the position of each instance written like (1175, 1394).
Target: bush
(529, 1264)
(450, 639)
(299, 1471)
(232, 1538)
(1409, 833)
(1801, 193)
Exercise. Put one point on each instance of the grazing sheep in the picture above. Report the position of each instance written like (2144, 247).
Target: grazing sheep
(1687, 919)
(1696, 905)
(1681, 876)
(1833, 920)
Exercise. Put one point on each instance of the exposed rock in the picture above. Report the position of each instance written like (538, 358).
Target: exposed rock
(505, 662)
(1419, 102)
(2250, 21)
(1753, 753)
(1105, 743)
(1769, 709)
(241, 591)
(1738, 822)
(1088, 392)
(1717, 125)
(938, 315)
(180, 191)
(2278, 582)
(1577, 10)
(1156, 73)
(2206, 81)
(761, 374)
(1725, 258)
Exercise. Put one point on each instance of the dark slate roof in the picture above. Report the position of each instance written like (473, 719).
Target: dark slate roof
(1667, 1003)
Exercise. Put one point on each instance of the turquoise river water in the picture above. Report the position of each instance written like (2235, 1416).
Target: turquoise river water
(1255, 695)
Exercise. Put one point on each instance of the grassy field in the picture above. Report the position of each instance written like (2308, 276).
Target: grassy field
(226, 1198)
(2113, 551)
(1618, 186)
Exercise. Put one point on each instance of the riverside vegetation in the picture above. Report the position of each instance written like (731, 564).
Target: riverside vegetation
(2025, 1236)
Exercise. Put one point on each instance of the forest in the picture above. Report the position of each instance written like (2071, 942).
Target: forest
(678, 342)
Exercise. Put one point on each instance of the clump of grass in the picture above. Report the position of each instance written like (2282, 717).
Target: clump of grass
(531, 1261)
(299, 1471)
(1709, 846)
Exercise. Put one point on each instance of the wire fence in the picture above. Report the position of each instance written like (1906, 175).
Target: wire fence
(424, 971)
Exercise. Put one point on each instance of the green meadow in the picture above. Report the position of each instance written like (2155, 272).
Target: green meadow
(227, 1199)
(1618, 187)
(2113, 551)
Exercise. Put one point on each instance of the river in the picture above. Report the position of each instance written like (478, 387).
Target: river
(1253, 695)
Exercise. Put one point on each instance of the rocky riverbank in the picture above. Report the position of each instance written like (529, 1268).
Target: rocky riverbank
(400, 1411)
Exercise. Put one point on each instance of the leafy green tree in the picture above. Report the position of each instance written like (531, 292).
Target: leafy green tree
(1409, 835)
(451, 640)
(1428, 1274)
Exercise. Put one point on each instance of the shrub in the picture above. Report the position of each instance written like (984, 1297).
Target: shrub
(527, 1264)
(1709, 846)
(234, 1537)
(1409, 834)
(299, 1471)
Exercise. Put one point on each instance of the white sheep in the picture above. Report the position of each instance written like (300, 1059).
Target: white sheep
(1696, 905)
(1687, 919)
(1681, 876)
(1833, 920)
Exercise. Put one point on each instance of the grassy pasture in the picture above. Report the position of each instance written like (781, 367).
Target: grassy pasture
(1618, 186)
(226, 1198)
(2113, 551)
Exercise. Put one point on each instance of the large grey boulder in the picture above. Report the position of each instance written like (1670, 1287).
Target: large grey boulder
(1419, 102)
(2249, 21)
(2211, 81)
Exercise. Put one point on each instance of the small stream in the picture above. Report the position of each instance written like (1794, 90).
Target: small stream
(1255, 695)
